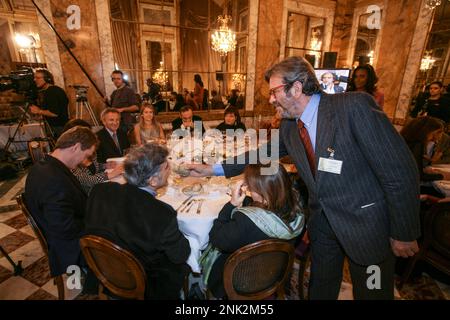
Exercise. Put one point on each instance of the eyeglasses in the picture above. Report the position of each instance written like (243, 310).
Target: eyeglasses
(274, 90)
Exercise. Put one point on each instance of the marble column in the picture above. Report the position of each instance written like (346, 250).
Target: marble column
(49, 42)
(105, 38)
(418, 45)
(85, 45)
(251, 55)
(268, 53)
(402, 20)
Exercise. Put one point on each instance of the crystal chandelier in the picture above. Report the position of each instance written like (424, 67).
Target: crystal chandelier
(223, 40)
(160, 77)
(432, 4)
(427, 62)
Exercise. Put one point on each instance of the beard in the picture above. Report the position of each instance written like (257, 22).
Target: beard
(285, 114)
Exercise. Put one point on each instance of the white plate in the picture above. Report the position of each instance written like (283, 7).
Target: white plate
(121, 159)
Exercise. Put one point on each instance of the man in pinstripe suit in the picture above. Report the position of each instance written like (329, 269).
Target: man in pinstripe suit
(363, 183)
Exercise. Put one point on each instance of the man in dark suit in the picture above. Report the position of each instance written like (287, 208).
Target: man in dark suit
(113, 141)
(187, 120)
(56, 199)
(131, 216)
(362, 181)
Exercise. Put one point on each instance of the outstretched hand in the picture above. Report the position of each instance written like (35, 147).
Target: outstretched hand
(200, 170)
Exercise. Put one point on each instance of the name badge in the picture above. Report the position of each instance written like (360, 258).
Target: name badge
(330, 165)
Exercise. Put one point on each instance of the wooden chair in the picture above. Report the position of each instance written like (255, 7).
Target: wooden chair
(58, 280)
(37, 150)
(259, 270)
(116, 268)
(302, 254)
(435, 247)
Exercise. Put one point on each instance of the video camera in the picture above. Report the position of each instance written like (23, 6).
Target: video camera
(80, 92)
(21, 81)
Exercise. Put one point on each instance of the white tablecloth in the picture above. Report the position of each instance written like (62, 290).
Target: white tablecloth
(442, 185)
(26, 132)
(196, 227)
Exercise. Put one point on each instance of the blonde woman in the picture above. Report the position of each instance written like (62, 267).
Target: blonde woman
(148, 128)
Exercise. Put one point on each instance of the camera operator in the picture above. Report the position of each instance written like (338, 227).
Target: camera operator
(51, 102)
(125, 100)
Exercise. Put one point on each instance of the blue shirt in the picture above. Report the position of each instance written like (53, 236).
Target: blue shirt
(309, 118)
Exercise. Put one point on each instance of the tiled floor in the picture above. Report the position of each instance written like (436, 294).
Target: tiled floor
(19, 241)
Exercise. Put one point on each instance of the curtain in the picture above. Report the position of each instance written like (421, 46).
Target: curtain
(197, 55)
(125, 38)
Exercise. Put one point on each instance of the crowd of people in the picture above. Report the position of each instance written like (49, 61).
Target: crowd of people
(364, 181)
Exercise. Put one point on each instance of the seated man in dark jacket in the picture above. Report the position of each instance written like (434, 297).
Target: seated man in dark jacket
(187, 120)
(131, 216)
(56, 199)
(113, 140)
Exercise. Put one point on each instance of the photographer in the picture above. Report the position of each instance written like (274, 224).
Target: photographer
(52, 102)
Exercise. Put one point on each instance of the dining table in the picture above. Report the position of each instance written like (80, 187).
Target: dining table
(196, 217)
(443, 186)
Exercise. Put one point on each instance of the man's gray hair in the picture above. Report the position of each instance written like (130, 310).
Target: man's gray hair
(143, 163)
(294, 69)
(109, 110)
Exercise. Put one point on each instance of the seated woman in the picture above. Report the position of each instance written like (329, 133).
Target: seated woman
(273, 212)
(232, 121)
(148, 128)
(90, 172)
(131, 216)
(418, 134)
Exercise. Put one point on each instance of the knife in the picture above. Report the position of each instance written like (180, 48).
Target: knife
(184, 202)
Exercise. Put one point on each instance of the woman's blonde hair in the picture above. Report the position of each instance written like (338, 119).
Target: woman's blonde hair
(141, 120)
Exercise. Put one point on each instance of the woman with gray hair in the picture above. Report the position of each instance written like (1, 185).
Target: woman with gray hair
(131, 216)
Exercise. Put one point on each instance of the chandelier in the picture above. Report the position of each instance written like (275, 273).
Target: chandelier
(427, 62)
(432, 4)
(161, 77)
(223, 40)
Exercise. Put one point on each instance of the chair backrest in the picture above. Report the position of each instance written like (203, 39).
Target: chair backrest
(258, 270)
(116, 268)
(37, 150)
(437, 228)
(37, 231)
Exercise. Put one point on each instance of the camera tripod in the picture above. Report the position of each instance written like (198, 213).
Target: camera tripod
(83, 103)
(18, 269)
(44, 125)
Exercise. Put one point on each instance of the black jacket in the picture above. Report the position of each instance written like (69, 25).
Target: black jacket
(223, 127)
(135, 220)
(57, 202)
(228, 235)
(176, 124)
(107, 148)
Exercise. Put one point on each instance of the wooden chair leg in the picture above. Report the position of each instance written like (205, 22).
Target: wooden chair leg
(186, 287)
(409, 269)
(59, 282)
(101, 294)
(301, 275)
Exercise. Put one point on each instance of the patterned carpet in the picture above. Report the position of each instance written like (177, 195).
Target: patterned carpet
(19, 241)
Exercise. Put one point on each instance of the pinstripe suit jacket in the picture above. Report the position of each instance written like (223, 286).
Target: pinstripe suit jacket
(376, 196)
